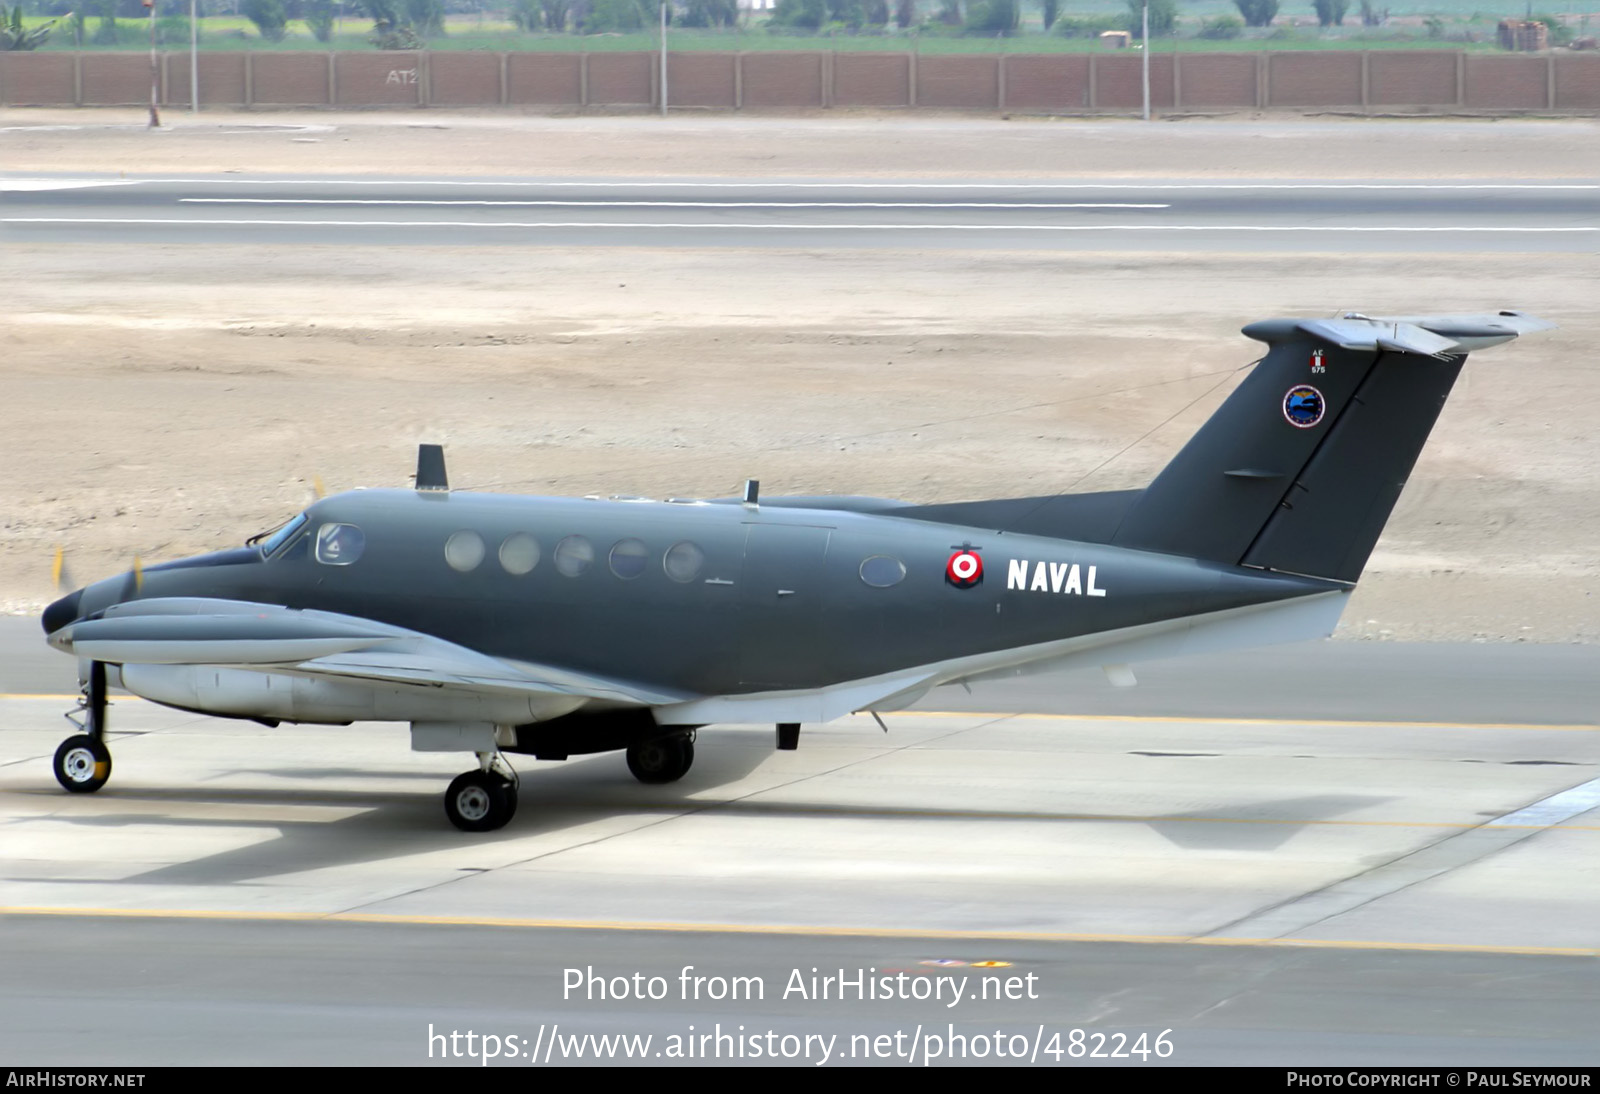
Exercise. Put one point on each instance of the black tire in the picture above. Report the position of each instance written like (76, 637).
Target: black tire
(662, 760)
(480, 801)
(83, 764)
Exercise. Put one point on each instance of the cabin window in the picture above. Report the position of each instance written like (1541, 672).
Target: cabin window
(683, 561)
(881, 571)
(519, 554)
(464, 551)
(339, 544)
(573, 555)
(629, 558)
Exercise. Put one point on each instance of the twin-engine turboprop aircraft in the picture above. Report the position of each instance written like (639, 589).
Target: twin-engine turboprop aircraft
(553, 627)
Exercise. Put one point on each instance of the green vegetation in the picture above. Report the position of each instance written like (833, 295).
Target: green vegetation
(1222, 27)
(922, 26)
(1330, 13)
(1163, 17)
(271, 21)
(1257, 13)
(15, 36)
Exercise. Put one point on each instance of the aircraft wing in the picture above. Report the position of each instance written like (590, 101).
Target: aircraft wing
(240, 634)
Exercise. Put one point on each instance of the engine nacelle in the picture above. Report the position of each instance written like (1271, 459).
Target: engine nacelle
(242, 693)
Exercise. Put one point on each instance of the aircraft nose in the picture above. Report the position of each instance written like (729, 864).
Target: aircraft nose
(62, 612)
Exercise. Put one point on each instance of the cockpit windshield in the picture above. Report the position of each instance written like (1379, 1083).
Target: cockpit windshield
(272, 540)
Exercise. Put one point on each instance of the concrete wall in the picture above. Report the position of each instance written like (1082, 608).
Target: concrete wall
(1420, 81)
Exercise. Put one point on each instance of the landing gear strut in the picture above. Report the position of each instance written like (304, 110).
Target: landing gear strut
(485, 799)
(83, 762)
(662, 759)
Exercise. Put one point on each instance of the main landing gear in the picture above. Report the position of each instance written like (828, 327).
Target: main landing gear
(485, 799)
(662, 759)
(83, 762)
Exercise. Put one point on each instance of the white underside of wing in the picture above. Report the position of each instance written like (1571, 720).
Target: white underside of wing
(1297, 620)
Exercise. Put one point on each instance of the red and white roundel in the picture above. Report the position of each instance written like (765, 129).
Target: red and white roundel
(964, 570)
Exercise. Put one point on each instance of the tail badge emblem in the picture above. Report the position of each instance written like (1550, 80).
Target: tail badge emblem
(1304, 406)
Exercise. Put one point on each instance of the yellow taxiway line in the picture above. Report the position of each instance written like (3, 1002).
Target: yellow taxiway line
(789, 930)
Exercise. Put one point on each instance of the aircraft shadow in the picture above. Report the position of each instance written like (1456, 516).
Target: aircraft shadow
(559, 796)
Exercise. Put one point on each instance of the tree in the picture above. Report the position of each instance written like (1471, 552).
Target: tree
(319, 18)
(613, 16)
(848, 13)
(905, 13)
(556, 14)
(991, 18)
(1163, 17)
(426, 17)
(1330, 13)
(710, 13)
(1257, 13)
(1048, 10)
(525, 15)
(106, 32)
(800, 14)
(269, 17)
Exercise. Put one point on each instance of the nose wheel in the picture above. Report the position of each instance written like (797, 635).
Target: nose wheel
(83, 764)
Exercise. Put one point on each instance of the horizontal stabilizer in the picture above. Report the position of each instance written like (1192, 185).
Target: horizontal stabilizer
(1428, 335)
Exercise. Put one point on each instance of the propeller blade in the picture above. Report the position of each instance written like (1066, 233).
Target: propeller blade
(133, 583)
(59, 576)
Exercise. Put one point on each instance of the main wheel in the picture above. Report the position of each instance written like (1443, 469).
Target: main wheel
(662, 760)
(83, 764)
(480, 801)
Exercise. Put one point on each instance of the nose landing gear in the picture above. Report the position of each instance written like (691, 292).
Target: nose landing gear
(83, 762)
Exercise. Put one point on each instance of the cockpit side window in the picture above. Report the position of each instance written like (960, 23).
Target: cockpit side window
(339, 544)
(272, 542)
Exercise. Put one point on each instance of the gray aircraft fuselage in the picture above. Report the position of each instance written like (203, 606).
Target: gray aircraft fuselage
(779, 601)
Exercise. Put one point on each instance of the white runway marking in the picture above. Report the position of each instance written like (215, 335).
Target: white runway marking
(1447, 855)
(34, 185)
(1554, 809)
(690, 204)
(762, 185)
(636, 225)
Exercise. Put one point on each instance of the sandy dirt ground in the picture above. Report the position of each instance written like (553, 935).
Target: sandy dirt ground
(840, 144)
(167, 400)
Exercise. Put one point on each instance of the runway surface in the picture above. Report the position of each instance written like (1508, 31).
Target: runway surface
(1269, 889)
(1149, 215)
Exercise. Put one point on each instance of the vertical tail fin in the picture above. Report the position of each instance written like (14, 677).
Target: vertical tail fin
(1300, 467)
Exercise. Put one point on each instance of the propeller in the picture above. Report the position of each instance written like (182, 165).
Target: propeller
(133, 584)
(91, 674)
(59, 577)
